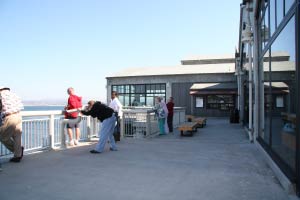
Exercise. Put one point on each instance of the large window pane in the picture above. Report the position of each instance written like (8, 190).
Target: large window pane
(280, 11)
(150, 100)
(221, 102)
(283, 90)
(126, 100)
(265, 135)
(135, 95)
(272, 16)
(288, 5)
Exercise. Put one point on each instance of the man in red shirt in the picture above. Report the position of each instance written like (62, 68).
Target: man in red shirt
(74, 102)
(170, 106)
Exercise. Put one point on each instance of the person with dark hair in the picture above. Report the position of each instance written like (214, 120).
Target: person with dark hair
(170, 106)
(11, 123)
(116, 105)
(107, 116)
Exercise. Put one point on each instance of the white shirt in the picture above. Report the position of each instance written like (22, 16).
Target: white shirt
(116, 105)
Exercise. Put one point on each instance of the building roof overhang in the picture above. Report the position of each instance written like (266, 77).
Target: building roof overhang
(213, 88)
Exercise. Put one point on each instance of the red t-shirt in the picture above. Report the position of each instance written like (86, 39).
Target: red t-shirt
(170, 106)
(73, 103)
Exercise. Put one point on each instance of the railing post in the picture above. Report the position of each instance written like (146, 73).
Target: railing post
(51, 131)
(122, 128)
(63, 136)
(88, 126)
(148, 124)
(95, 128)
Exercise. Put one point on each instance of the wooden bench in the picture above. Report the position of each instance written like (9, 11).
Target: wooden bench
(201, 121)
(190, 127)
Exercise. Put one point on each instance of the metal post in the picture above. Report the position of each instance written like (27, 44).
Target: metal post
(51, 131)
(148, 124)
(250, 93)
(122, 128)
(63, 135)
(88, 126)
(256, 81)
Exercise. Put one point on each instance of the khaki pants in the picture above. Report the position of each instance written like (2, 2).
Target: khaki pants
(10, 133)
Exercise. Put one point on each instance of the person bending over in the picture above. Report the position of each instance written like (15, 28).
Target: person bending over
(107, 116)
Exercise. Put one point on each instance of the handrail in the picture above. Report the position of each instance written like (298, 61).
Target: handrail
(62, 129)
(43, 130)
(41, 113)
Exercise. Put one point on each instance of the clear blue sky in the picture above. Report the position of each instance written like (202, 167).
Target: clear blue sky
(49, 45)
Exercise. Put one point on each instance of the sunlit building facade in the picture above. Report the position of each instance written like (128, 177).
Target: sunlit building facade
(268, 82)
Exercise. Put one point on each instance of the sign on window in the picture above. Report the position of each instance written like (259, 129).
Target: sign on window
(279, 102)
(199, 102)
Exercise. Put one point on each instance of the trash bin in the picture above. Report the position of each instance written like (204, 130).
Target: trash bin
(236, 116)
(231, 116)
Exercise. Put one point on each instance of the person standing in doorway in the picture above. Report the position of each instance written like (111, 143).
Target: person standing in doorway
(11, 123)
(116, 105)
(170, 106)
(74, 102)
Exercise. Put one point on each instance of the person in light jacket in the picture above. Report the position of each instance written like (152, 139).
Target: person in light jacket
(161, 112)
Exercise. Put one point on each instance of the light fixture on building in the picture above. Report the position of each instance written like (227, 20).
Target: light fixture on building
(247, 34)
(246, 66)
(265, 31)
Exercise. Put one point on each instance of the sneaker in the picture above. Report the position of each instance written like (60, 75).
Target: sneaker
(71, 143)
(22, 152)
(76, 142)
(94, 151)
(113, 149)
(15, 159)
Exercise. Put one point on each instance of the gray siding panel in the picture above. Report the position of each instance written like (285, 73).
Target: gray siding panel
(182, 98)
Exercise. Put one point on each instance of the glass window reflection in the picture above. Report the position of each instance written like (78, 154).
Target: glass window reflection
(284, 84)
(280, 11)
(272, 16)
(288, 5)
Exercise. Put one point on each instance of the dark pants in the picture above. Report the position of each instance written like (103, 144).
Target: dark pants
(117, 134)
(170, 123)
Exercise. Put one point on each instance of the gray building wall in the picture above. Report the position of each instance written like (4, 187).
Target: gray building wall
(182, 98)
(177, 86)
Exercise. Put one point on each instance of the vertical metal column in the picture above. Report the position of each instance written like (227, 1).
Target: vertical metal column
(297, 27)
(51, 131)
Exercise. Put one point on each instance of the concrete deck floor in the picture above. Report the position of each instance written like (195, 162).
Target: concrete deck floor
(217, 163)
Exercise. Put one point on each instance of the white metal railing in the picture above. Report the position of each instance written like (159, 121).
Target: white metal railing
(179, 116)
(42, 130)
(141, 122)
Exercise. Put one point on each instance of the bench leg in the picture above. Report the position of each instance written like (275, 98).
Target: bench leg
(181, 133)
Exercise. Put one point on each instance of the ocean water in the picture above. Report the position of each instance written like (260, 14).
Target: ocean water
(42, 108)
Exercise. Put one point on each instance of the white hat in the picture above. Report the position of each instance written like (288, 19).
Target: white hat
(4, 88)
